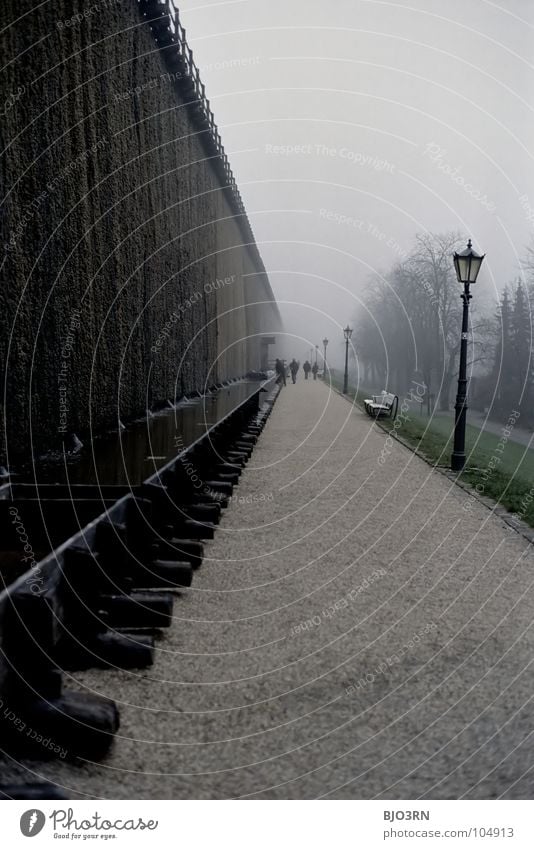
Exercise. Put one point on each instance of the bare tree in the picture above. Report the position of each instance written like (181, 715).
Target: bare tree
(413, 319)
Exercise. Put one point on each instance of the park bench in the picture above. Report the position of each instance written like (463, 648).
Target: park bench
(382, 405)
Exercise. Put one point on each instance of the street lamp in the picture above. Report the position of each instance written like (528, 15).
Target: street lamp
(325, 343)
(347, 333)
(316, 352)
(467, 265)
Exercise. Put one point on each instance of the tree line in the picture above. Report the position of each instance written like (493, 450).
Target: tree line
(408, 328)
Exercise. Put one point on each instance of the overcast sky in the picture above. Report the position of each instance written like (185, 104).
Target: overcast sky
(411, 116)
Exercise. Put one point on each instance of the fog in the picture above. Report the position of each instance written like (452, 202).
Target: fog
(353, 125)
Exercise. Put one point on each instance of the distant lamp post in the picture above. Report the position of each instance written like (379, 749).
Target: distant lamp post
(325, 343)
(347, 333)
(467, 265)
(316, 352)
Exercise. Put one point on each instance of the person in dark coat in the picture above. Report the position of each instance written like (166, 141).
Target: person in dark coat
(280, 369)
(306, 368)
(293, 368)
(315, 369)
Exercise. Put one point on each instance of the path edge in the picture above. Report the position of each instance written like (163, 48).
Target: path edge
(494, 507)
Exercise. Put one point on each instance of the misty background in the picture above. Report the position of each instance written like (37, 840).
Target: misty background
(354, 125)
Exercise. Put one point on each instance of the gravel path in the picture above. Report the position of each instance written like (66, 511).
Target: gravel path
(360, 628)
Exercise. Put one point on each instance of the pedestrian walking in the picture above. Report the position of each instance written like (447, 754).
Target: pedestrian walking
(306, 368)
(315, 369)
(293, 368)
(280, 368)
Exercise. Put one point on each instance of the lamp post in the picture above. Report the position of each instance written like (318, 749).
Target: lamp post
(467, 265)
(316, 352)
(325, 343)
(347, 333)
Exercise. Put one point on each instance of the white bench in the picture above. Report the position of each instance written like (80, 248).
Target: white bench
(381, 405)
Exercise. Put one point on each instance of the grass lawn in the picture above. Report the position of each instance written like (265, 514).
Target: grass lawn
(506, 476)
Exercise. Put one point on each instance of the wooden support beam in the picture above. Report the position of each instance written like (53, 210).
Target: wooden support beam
(108, 649)
(72, 726)
(138, 610)
(186, 549)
